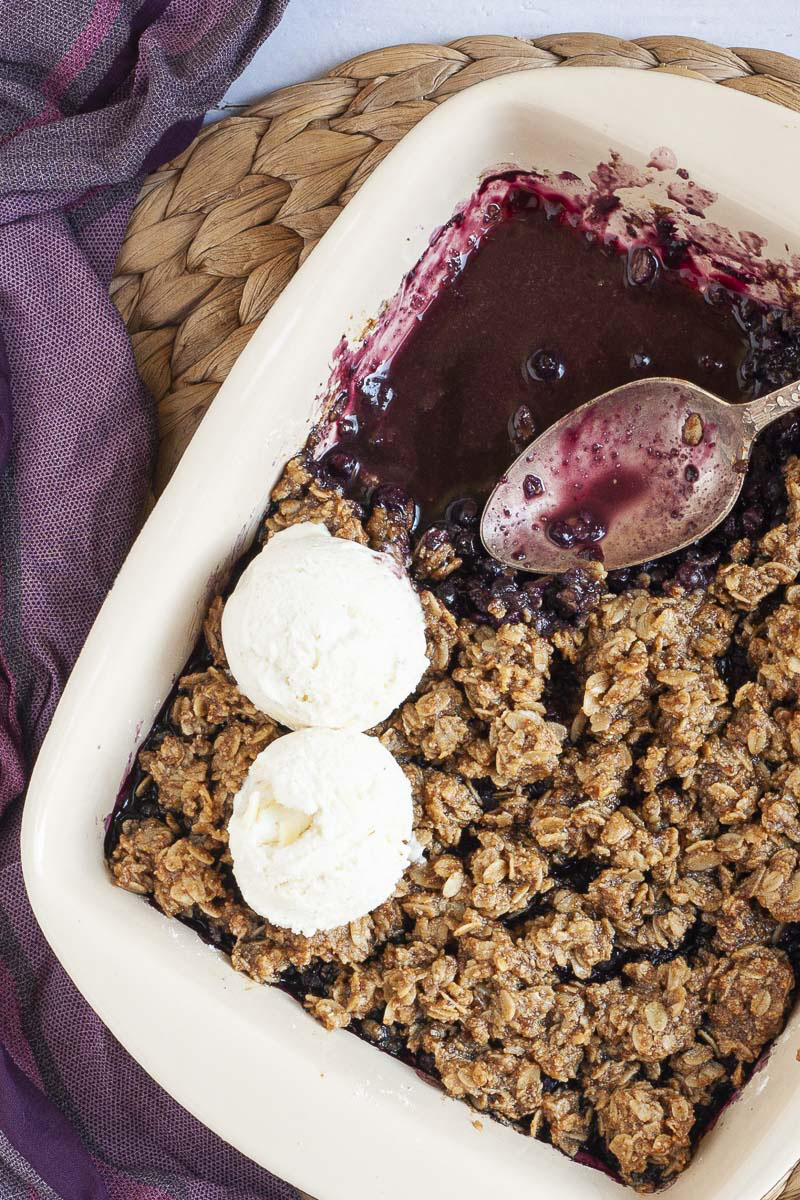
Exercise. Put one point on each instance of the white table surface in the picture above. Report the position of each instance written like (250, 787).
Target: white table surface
(315, 35)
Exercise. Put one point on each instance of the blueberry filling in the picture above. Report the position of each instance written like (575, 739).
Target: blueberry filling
(465, 393)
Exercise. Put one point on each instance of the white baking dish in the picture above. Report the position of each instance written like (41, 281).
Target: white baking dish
(327, 1111)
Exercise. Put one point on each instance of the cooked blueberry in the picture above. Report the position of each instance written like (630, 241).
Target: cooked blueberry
(449, 593)
(716, 295)
(426, 1062)
(347, 425)
(576, 531)
(691, 474)
(606, 204)
(619, 580)
(673, 248)
(578, 591)
(487, 794)
(376, 393)
(544, 623)
(396, 500)
(710, 363)
(388, 1038)
(434, 538)
(689, 576)
(488, 568)
(532, 486)
(729, 528)
(773, 486)
(748, 313)
(545, 366)
(467, 544)
(479, 598)
(587, 527)
(462, 512)
(506, 590)
(752, 521)
(747, 372)
(521, 425)
(318, 976)
(562, 534)
(342, 466)
(642, 266)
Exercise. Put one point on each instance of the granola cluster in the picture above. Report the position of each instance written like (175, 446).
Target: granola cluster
(594, 947)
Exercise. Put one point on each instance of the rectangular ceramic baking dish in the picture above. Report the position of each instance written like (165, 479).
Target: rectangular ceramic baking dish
(327, 1111)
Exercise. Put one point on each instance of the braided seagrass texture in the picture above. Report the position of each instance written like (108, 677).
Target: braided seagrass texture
(218, 232)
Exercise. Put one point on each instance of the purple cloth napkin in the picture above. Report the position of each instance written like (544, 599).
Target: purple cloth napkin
(93, 93)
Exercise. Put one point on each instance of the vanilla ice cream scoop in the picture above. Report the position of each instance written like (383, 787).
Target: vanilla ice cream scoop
(321, 829)
(324, 631)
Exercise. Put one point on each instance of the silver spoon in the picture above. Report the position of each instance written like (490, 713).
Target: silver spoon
(634, 474)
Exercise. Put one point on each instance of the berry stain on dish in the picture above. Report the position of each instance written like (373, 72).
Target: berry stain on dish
(596, 937)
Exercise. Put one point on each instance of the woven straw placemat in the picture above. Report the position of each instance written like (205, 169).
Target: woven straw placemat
(219, 231)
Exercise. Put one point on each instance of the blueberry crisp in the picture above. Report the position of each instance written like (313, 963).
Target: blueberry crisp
(602, 936)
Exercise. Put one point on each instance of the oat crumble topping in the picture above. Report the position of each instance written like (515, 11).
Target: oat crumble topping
(593, 946)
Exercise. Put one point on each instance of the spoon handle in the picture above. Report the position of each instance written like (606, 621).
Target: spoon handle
(758, 414)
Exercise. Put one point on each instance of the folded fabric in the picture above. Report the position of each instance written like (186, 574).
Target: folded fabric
(93, 94)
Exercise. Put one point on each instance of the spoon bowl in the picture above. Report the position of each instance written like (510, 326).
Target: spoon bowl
(632, 475)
